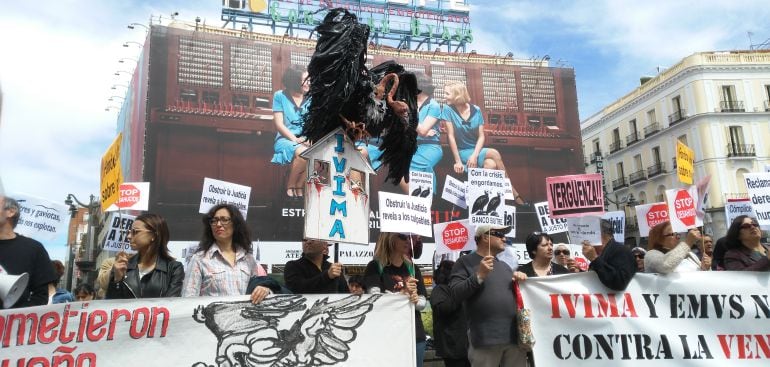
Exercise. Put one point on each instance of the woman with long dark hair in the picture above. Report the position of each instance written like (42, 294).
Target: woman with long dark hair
(745, 251)
(152, 272)
(224, 262)
(289, 105)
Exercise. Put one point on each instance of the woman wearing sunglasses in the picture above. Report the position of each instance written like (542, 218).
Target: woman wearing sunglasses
(564, 258)
(744, 249)
(224, 263)
(540, 250)
(668, 254)
(392, 271)
(152, 272)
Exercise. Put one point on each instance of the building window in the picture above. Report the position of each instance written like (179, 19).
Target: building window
(638, 162)
(210, 97)
(616, 135)
(656, 155)
(728, 93)
(651, 119)
(736, 135)
(597, 148)
(621, 173)
(240, 100)
(729, 102)
(676, 102)
(188, 95)
(767, 97)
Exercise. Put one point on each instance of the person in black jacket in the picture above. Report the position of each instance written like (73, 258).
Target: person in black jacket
(450, 328)
(313, 273)
(613, 263)
(540, 250)
(152, 272)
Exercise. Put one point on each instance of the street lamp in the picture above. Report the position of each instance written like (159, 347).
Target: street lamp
(114, 86)
(126, 44)
(133, 25)
(87, 264)
(117, 73)
(122, 61)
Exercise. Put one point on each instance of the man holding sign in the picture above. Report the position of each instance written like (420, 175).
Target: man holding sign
(484, 285)
(612, 262)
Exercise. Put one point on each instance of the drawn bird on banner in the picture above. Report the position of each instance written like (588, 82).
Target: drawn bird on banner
(320, 337)
(381, 102)
(494, 203)
(417, 191)
(480, 203)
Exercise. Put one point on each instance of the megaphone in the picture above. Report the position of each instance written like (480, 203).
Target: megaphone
(12, 287)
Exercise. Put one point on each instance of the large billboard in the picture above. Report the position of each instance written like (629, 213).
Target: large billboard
(210, 114)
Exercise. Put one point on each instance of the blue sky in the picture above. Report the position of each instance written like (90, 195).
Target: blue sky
(58, 58)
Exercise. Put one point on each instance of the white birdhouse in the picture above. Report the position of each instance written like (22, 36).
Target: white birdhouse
(337, 192)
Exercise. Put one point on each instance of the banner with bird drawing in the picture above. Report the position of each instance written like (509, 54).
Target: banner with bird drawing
(486, 194)
(282, 330)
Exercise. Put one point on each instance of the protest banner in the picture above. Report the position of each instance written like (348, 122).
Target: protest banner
(509, 190)
(421, 184)
(547, 224)
(685, 158)
(736, 208)
(650, 215)
(223, 192)
(132, 196)
(111, 173)
(509, 219)
(758, 187)
(681, 208)
(454, 191)
(273, 253)
(678, 319)
(575, 195)
(585, 228)
(40, 219)
(618, 221)
(454, 236)
(405, 214)
(282, 330)
(337, 193)
(486, 191)
(116, 239)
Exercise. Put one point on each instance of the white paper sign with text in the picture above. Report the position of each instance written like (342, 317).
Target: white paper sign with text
(682, 208)
(405, 214)
(132, 196)
(421, 184)
(486, 195)
(454, 236)
(585, 229)
(41, 219)
(758, 187)
(547, 224)
(650, 215)
(116, 239)
(218, 192)
(618, 220)
(454, 191)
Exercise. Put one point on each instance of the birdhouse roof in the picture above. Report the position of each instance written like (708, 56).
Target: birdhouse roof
(319, 147)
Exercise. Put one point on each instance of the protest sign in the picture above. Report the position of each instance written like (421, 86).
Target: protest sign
(279, 253)
(650, 215)
(486, 191)
(454, 236)
(736, 208)
(509, 219)
(509, 190)
(758, 187)
(547, 224)
(111, 173)
(132, 196)
(405, 214)
(421, 184)
(678, 319)
(282, 330)
(585, 229)
(41, 219)
(685, 158)
(618, 221)
(116, 239)
(454, 191)
(575, 195)
(223, 192)
(681, 208)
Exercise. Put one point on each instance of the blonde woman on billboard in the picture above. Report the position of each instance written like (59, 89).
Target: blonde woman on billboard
(465, 133)
(289, 105)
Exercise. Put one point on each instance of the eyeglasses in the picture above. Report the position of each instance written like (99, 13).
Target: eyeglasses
(639, 256)
(671, 235)
(561, 252)
(223, 220)
(136, 231)
(497, 234)
(749, 225)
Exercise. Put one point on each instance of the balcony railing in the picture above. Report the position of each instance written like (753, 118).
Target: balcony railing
(732, 106)
(615, 146)
(619, 183)
(677, 116)
(733, 196)
(637, 176)
(656, 169)
(741, 150)
(651, 129)
(632, 138)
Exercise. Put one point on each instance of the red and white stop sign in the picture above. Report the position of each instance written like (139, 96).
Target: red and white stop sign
(455, 236)
(658, 214)
(684, 207)
(128, 196)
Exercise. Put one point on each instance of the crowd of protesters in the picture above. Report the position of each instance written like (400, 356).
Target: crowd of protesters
(472, 304)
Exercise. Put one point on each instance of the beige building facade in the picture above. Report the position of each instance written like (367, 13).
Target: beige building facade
(717, 103)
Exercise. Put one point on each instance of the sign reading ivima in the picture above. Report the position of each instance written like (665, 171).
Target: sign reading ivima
(438, 20)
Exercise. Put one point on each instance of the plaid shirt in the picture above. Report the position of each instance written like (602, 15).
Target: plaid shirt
(209, 274)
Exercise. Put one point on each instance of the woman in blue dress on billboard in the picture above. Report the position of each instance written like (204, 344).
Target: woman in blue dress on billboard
(429, 151)
(289, 105)
(465, 130)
